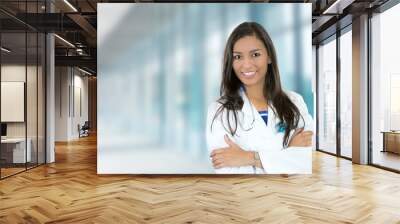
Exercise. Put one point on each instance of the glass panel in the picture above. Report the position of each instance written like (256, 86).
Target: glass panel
(327, 97)
(31, 100)
(346, 94)
(32, 91)
(13, 87)
(41, 98)
(22, 89)
(386, 89)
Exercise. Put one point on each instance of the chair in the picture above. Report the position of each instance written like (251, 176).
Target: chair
(84, 130)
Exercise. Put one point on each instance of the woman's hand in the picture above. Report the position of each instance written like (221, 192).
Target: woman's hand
(231, 156)
(301, 138)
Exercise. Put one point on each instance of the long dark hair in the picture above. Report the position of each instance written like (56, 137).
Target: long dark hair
(230, 98)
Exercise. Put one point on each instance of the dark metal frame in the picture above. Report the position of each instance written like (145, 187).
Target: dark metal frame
(338, 34)
(380, 9)
(369, 104)
(316, 97)
(389, 4)
(338, 98)
(37, 164)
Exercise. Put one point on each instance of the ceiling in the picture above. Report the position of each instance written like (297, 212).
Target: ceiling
(76, 22)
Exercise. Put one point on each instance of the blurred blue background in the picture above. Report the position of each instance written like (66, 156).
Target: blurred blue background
(159, 66)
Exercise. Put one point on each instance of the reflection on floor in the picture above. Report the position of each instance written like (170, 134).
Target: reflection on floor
(71, 191)
(10, 169)
(386, 159)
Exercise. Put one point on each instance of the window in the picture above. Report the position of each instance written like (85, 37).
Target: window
(346, 94)
(327, 96)
(385, 85)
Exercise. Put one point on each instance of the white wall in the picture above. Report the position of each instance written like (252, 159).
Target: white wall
(17, 73)
(33, 126)
(71, 93)
(79, 117)
(14, 73)
(62, 81)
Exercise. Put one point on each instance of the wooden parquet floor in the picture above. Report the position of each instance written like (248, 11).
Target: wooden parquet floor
(70, 191)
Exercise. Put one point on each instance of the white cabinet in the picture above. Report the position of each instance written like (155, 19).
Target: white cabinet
(18, 149)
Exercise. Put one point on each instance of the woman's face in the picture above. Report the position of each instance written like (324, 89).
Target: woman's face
(250, 61)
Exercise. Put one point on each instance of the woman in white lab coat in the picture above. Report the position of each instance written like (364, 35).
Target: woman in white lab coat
(255, 126)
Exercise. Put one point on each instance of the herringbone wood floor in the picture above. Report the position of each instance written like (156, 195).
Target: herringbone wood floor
(70, 191)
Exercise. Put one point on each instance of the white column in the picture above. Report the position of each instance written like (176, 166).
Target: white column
(360, 90)
(50, 99)
(50, 92)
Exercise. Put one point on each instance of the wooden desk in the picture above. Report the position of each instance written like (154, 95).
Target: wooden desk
(391, 141)
(13, 150)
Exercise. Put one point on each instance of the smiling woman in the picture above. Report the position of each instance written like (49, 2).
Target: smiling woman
(256, 126)
(159, 69)
(249, 57)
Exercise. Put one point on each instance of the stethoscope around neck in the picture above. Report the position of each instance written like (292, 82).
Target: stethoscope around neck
(280, 126)
(251, 126)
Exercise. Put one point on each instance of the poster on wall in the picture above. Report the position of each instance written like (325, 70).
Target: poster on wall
(188, 88)
(12, 101)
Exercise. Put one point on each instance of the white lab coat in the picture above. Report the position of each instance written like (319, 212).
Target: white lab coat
(265, 139)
